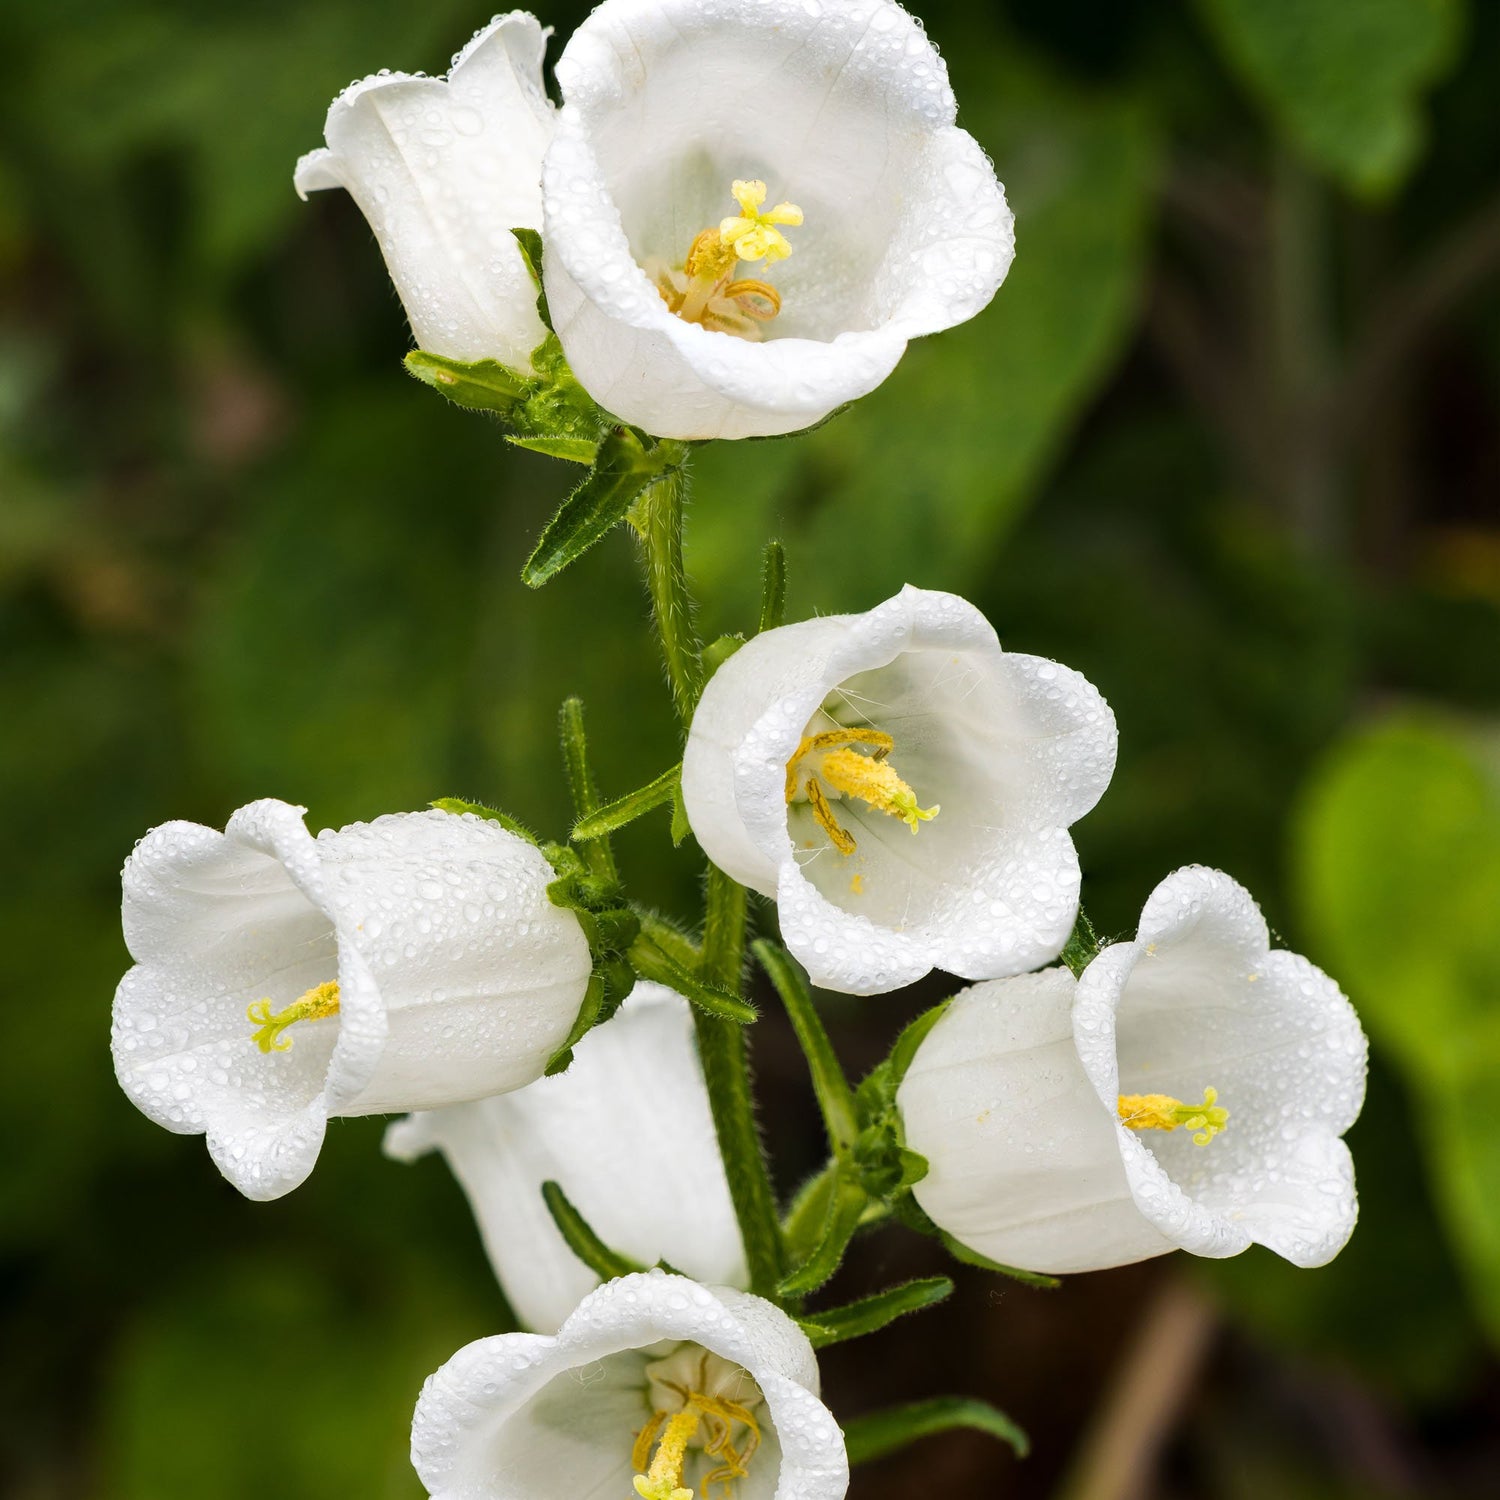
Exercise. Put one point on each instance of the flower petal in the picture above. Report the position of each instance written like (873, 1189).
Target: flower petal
(847, 109)
(627, 1125)
(444, 169)
(476, 1433)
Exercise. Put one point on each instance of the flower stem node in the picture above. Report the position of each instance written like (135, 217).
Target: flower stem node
(320, 1001)
(1163, 1112)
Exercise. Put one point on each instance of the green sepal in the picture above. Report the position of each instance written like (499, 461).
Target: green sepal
(626, 809)
(481, 385)
(489, 814)
(717, 652)
(836, 1325)
(529, 242)
(1082, 947)
(681, 828)
(772, 588)
(657, 965)
(575, 450)
(846, 1206)
(962, 1252)
(624, 468)
(885, 1432)
(605, 1263)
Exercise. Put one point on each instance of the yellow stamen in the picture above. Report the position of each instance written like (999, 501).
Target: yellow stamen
(706, 291)
(1163, 1112)
(321, 1000)
(672, 1436)
(830, 757)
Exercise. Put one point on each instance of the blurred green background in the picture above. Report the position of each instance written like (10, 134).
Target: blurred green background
(1227, 442)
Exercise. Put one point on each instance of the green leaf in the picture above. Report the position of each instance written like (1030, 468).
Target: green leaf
(835, 1098)
(489, 814)
(881, 1433)
(962, 1252)
(484, 385)
(596, 507)
(631, 806)
(1342, 79)
(574, 449)
(655, 964)
(1398, 853)
(835, 1325)
(670, 938)
(605, 1263)
(773, 588)
(845, 1208)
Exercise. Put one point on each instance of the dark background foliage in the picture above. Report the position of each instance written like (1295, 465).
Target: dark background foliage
(1227, 442)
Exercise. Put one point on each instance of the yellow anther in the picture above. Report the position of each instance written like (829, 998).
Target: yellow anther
(321, 1000)
(829, 760)
(756, 235)
(705, 289)
(1163, 1112)
(673, 1435)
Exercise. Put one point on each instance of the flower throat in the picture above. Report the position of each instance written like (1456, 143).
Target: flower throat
(705, 289)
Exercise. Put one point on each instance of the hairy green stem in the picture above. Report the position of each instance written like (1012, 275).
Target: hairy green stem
(660, 524)
(721, 1043)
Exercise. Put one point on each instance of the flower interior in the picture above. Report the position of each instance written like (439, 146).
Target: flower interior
(1184, 1018)
(1163, 1112)
(671, 1420)
(851, 763)
(888, 749)
(755, 103)
(316, 1004)
(705, 288)
(702, 1418)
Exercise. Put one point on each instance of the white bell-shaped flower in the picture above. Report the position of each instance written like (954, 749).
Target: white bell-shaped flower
(1188, 1092)
(903, 788)
(655, 1387)
(444, 169)
(408, 963)
(752, 205)
(628, 1135)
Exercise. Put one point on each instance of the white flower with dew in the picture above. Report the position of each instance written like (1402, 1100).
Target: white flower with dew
(1188, 1092)
(444, 169)
(656, 1386)
(683, 305)
(281, 979)
(628, 1135)
(903, 788)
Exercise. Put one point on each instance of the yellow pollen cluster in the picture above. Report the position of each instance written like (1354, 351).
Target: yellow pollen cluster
(321, 1000)
(1163, 1112)
(706, 289)
(660, 1477)
(830, 757)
